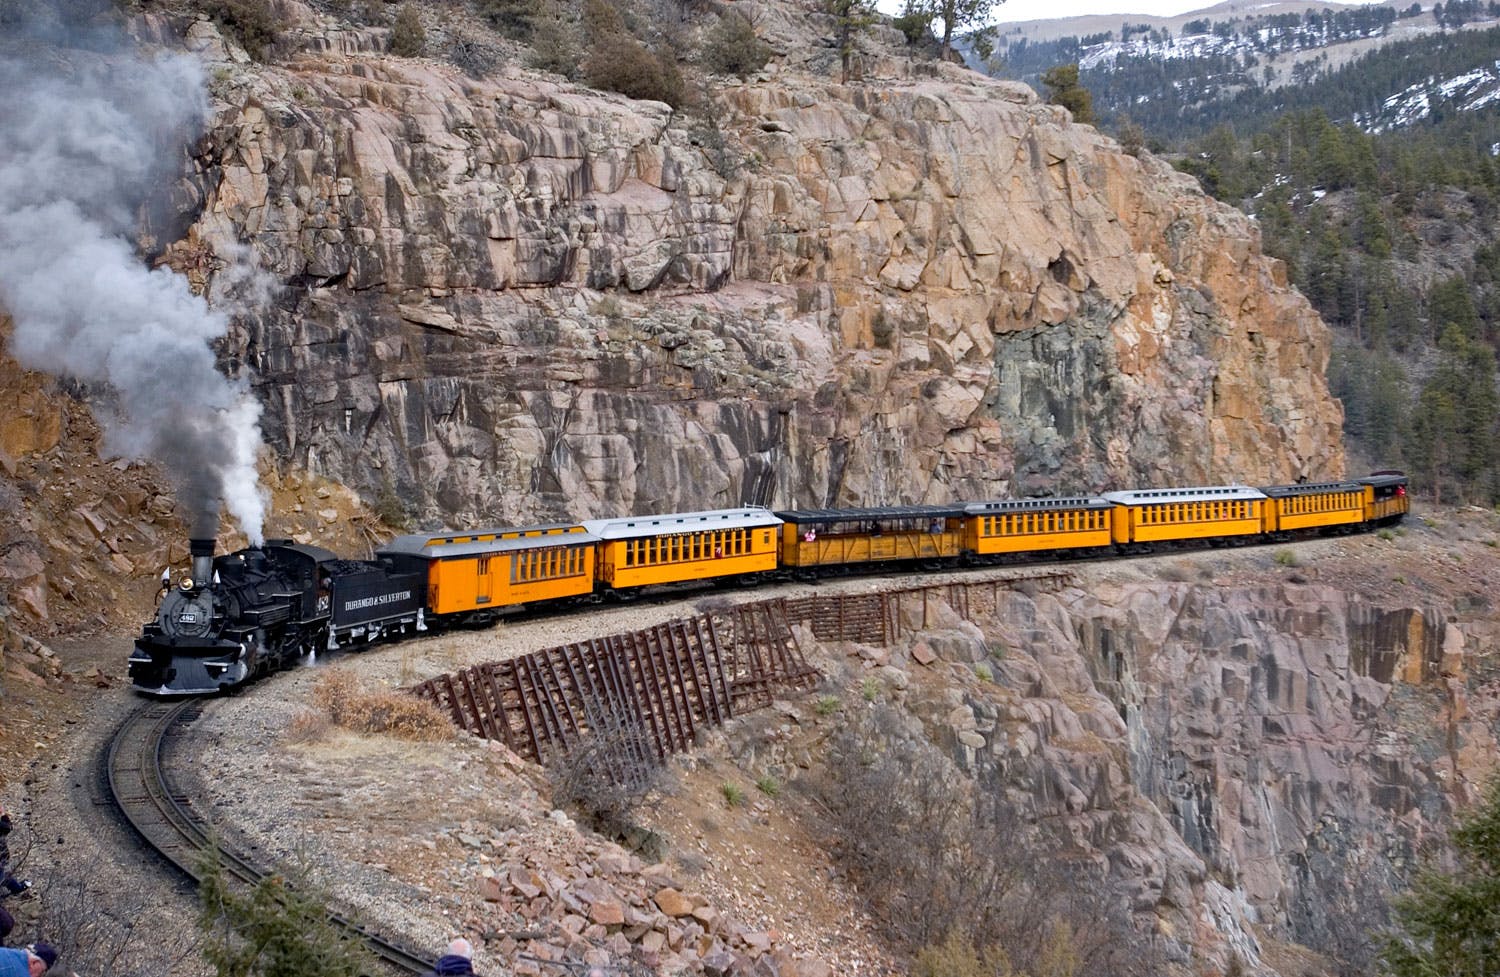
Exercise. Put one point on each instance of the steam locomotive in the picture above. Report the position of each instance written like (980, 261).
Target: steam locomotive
(257, 610)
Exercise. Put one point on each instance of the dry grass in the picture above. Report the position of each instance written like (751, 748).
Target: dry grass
(308, 726)
(347, 703)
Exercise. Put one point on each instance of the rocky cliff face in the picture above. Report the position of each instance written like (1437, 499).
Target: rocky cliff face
(513, 298)
(1257, 762)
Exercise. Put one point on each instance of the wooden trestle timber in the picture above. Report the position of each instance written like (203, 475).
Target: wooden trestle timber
(670, 680)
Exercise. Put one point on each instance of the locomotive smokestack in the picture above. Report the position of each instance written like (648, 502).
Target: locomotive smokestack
(202, 551)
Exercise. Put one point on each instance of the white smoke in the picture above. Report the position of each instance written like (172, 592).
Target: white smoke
(83, 147)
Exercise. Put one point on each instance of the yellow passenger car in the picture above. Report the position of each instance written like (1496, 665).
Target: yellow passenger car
(822, 537)
(1032, 525)
(491, 569)
(1157, 515)
(1386, 501)
(644, 550)
(1313, 506)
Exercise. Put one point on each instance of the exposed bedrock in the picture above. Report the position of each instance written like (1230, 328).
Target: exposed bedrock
(513, 298)
(1275, 755)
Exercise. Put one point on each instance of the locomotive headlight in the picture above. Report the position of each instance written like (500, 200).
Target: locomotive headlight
(186, 583)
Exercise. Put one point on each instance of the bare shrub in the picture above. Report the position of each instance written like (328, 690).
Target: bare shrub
(1175, 573)
(474, 57)
(370, 12)
(951, 856)
(924, 871)
(714, 604)
(1132, 137)
(102, 925)
(956, 956)
(727, 159)
(333, 692)
(609, 772)
(731, 47)
(664, 24)
(308, 726)
(347, 703)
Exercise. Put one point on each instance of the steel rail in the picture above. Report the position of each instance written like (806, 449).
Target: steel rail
(163, 818)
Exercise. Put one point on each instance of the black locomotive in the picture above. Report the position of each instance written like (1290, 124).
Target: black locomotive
(259, 609)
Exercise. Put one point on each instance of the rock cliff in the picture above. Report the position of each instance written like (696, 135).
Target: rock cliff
(513, 298)
(1254, 764)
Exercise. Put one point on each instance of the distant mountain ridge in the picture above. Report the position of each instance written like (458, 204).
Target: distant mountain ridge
(1057, 27)
(1180, 76)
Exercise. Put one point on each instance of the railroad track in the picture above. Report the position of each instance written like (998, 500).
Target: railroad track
(164, 818)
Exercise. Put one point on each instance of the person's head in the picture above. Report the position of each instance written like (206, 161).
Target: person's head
(40, 957)
(456, 961)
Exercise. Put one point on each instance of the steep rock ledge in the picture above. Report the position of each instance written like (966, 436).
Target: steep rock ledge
(513, 298)
(1249, 762)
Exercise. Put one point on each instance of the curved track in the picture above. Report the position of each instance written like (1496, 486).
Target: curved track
(143, 793)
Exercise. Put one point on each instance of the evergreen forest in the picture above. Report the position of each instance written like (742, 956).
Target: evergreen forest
(1386, 222)
(1247, 72)
(1393, 238)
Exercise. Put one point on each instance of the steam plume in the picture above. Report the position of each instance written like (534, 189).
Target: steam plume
(82, 148)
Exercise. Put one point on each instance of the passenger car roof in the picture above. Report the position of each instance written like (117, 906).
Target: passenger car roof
(681, 522)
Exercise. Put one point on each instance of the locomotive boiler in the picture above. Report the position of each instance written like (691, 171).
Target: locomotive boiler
(259, 609)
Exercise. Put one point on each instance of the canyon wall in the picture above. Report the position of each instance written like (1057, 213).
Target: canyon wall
(1252, 765)
(514, 298)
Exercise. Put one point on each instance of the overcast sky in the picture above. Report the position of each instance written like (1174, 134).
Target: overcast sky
(1012, 10)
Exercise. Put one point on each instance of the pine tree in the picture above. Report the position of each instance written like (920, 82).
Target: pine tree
(1064, 89)
(850, 17)
(1325, 272)
(1388, 413)
(1450, 304)
(957, 16)
(408, 37)
(272, 930)
(1449, 923)
(1457, 414)
(1374, 234)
